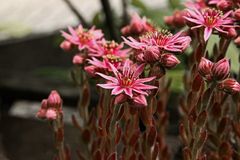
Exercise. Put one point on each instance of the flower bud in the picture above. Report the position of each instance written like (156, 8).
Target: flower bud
(91, 70)
(54, 100)
(77, 59)
(224, 5)
(237, 41)
(232, 33)
(168, 20)
(51, 114)
(169, 61)
(66, 45)
(41, 114)
(237, 14)
(229, 85)
(178, 18)
(119, 99)
(44, 104)
(204, 68)
(140, 101)
(221, 69)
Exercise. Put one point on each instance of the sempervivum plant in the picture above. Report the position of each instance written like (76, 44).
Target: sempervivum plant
(130, 119)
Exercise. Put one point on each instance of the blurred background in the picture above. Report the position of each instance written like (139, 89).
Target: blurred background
(32, 64)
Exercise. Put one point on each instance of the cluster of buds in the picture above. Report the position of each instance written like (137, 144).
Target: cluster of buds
(225, 5)
(51, 108)
(219, 73)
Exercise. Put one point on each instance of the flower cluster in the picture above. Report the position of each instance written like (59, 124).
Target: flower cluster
(159, 47)
(51, 108)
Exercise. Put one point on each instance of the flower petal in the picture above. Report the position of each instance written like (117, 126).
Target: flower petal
(107, 85)
(117, 90)
(207, 33)
(110, 78)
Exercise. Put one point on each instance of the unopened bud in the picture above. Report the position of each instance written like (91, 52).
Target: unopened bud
(229, 85)
(221, 69)
(41, 113)
(237, 41)
(168, 20)
(204, 68)
(119, 99)
(232, 33)
(66, 45)
(140, 101)
(224, 5)
(91, 70)
(237, 14)
(78, 59)
(169, 61)
(178, 18)
(54, 100)
(44, 104)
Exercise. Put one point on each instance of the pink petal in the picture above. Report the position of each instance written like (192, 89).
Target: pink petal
(114, 69)
(144, 86)
(107, 86)
(117, 90)
(110, 78)
(128, 91)
(142, 80)
(140, 91)
(140, 100)
(207, 33)
(139, 70)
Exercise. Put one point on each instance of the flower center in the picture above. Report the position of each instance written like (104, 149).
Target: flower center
(211, 17)
(160, 36)
(126, 81)
(112, 58)
(110, 47)
(84, 36)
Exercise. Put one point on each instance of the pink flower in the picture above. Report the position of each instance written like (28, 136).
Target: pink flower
(229, 85)
(162, 39)
(116, 61)
(137, 26)
(108, 52)
(144, 52)
(127, 81)
(166, 41)
(209, 19)
(221, 69)
(81, 37)
(106, 48)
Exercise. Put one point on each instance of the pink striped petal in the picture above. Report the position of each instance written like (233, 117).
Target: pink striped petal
(117, 90)
(110, 78)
